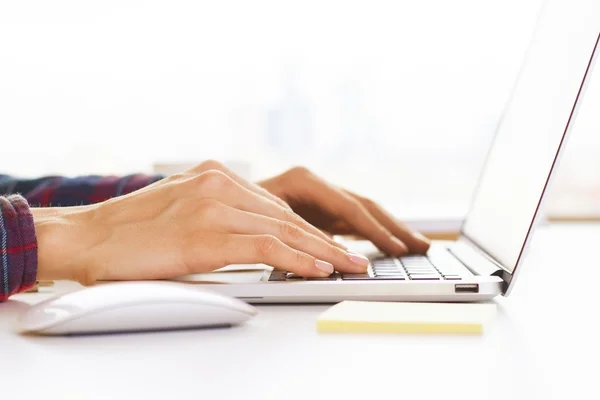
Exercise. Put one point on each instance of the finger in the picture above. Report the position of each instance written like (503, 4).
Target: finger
(328, 234)
(232, 194)
(341, 228)
(241, 222)
(366, 225)
(416, 242)
(351, 211)
(267, 249)
(215, 165)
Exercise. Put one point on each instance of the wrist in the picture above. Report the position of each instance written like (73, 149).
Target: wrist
(64, 240)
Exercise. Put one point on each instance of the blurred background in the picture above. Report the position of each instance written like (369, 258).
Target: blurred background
(394, 99)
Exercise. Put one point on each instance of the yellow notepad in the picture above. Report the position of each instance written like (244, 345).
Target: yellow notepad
(387, 317)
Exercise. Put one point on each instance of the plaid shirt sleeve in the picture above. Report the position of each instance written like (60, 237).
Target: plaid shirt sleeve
(18, 244)
(59, 191)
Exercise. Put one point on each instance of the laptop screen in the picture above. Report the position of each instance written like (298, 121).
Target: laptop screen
(532, 129)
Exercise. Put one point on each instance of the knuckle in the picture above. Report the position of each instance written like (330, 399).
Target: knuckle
(208, 207)
(213, 181)
(266, 244)
(290, 216)
(336, 253)
(300, 171)
(290, 231)
(211, 164)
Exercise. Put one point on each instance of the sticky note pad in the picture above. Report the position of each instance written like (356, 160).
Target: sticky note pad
(388, 317)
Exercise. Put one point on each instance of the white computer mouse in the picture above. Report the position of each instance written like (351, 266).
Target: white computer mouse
(133, 306)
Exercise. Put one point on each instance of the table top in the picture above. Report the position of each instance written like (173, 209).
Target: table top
(542, 345)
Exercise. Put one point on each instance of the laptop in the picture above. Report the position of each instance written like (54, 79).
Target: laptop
(486, 259)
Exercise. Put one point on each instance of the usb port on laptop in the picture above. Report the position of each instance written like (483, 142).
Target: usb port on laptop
(466, 288)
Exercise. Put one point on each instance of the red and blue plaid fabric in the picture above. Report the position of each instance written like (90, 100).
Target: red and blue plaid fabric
(60, 191)
(18, 245)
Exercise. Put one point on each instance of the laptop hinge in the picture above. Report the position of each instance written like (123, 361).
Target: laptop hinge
(475, 260)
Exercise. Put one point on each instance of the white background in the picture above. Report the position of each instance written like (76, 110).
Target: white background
(396, 99)
(532, 128)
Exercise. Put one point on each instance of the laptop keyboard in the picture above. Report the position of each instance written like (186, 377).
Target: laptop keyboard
(409, 268)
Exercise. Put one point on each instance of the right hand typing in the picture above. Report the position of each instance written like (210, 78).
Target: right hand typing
(193, 222)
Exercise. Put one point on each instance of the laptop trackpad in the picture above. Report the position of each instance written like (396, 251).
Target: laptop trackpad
(250, 273)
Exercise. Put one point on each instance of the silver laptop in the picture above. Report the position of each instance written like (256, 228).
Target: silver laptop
(486, 259)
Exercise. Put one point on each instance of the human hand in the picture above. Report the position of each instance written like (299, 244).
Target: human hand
(340, 211)
(193, 222)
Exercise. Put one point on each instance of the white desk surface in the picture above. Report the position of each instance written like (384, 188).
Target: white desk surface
(544, 345)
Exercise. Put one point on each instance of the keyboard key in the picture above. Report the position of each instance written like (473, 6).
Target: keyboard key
(277, 275)
(452, 278)
(293, 277)
(388, 273)
(390, 277)
(355, 277)
(379, 258)
(420, 269)
(388, 266)
(387, 269)
(423, 273)
(384, 261)
(412, 258)
(385, 266)
(332, 277)
(418, 266)
(415, 260)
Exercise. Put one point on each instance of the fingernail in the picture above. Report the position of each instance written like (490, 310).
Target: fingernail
(324, 266)
(399, 244)
(359, 259)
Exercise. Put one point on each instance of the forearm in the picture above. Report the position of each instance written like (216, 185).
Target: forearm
(44, 243)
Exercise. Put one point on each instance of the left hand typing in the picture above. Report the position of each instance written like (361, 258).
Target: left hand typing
(340, 211)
